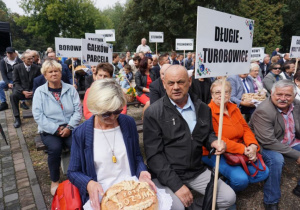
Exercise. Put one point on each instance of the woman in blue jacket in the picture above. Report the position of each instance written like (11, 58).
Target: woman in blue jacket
(56, 109)
(105, 148)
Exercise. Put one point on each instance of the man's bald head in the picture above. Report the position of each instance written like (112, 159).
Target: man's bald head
(163, 69)
(177, 83)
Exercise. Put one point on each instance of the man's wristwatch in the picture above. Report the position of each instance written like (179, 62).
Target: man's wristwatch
(69, 127)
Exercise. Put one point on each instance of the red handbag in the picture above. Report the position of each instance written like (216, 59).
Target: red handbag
(66, 197)
(238, 159)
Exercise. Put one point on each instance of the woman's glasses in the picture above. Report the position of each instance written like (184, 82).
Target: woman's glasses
(108, 114)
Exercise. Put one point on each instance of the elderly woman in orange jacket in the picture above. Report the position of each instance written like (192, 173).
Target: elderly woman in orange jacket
(238, 137)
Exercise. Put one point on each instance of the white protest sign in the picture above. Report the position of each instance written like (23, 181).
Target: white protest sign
(94, 52)
(94, 37)
(224, 43)
(184, 44)
(155, 36)
(295, 47)
(258, 52)
(109, 34)
(67, 47)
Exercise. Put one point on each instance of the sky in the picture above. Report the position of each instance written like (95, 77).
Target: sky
(101, 4)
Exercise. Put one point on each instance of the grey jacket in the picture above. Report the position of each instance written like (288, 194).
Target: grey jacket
(268, 82)
(268, 127)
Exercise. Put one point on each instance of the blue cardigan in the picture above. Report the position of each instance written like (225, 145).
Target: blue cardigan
(81, 168)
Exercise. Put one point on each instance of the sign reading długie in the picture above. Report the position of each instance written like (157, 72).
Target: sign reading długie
(258, 52)
(223, 44)
(155, 36)
(109, 34)
(184, 44)
(94, 52)
(67, 47)
(295, 47)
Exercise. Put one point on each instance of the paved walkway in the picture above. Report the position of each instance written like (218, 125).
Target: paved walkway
(19, 187)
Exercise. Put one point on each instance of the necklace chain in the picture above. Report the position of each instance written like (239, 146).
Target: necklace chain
(114, 159)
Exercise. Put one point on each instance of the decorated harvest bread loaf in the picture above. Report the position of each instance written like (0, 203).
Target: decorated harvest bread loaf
(255, 96)
(129, 195)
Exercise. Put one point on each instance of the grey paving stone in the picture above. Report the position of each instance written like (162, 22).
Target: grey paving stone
(1, 193)
(14, 205)
(11, 197)
(10, 185)
(10, 192)
(6, 159)
(1, 205)
(8, 171)
(3, 148)
(8, 164)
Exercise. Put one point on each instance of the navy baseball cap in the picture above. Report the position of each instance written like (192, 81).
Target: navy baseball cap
(10, 50)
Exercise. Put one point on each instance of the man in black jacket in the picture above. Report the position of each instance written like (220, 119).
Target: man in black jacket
(157, 89)
(7, 65)
(175, 129)
(23, 76)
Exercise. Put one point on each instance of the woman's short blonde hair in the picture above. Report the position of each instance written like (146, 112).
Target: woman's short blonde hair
(105, 95)
(49, 64)
(218, 82)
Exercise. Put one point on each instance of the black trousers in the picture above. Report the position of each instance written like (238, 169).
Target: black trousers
(15, 97)
(54, 146)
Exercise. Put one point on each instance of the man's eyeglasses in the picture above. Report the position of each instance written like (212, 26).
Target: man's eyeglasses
(277, 68)
(108, 114)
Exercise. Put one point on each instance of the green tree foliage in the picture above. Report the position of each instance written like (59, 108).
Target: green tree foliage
(268, 22)
(66, 18)
(176, 18)
(291, 17)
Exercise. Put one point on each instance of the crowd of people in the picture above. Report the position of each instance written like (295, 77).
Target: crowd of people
(180, 122)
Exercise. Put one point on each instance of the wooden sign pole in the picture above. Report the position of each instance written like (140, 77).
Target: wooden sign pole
(219, 142)
(184, 58)
(156, 47)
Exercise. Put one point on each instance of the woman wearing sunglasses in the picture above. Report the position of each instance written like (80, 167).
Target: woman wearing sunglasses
(56, 108)
(272, 77)
(105, 148)
(103, 70)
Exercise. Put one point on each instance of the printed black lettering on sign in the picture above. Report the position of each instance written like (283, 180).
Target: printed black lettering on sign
(97, 48)
(226, 35)
(107, 35)
(69, 47)
(156, 37)
(97, 58)
(212, 55)
(184, 44)
(298, 41)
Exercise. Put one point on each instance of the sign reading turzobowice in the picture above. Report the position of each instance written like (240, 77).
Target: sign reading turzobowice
(155, 36)
(94, 52)
(109, 34)
(67, 47)
(95, 37)
(258, 53)
(224, 43)
(295, 47)
(184, 44)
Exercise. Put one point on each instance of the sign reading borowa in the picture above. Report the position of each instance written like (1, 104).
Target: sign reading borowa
(258, 52)
(223, 44)
(109, 34)
(94, 52)
(66, 47)
(155, 36)
(184, 44)
(295, 47)
(94, 37)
